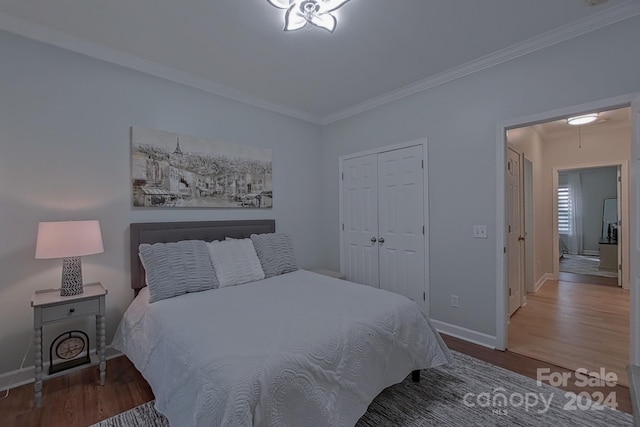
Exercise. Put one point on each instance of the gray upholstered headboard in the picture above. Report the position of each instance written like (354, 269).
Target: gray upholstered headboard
(165, 232)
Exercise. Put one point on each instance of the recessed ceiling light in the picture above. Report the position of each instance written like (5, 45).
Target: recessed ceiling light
(582, 120)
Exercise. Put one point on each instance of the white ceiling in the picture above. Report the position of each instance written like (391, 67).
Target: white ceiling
(555, 129)
(381, 49)
(611, 119)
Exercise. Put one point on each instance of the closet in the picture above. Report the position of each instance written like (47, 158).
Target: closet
(383, 220)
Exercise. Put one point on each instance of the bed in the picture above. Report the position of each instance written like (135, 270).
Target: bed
(296, 349)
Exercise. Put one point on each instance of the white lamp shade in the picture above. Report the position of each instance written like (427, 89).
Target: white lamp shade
(64, 239)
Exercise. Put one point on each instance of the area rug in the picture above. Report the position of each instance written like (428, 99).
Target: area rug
(581, 264)
(469, 392)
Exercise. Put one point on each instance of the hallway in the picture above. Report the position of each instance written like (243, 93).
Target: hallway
(575, 325)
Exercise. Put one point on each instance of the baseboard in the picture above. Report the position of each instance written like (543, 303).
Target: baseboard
(18, 377)
(541, 280)
(465, 334)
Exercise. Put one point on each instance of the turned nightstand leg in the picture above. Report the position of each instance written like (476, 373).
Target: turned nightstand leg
(100, 331)
(37, 346)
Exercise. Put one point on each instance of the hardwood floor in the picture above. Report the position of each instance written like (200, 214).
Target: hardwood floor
(76, 400)
(575, 325)
(584, 278)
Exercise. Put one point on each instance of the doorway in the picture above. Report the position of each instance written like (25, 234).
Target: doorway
(589, 224)
(553, 155)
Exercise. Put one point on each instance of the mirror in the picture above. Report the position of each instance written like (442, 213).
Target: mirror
(610, 217)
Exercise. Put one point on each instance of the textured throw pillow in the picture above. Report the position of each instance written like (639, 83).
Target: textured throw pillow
(235, 262)
(275, 252)
(173, 269)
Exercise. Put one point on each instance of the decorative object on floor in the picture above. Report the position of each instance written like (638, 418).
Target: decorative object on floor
(171, 170)
(581, 264)
(469, 392)
(299, 13)
(69, 240)
(71, 349)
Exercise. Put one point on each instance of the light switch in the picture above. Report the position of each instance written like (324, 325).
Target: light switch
(480, 231)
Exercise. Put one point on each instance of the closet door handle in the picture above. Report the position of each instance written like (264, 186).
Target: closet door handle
(373, 240)
(381, 240)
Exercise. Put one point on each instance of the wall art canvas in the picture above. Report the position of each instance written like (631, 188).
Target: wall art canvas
(171, 170)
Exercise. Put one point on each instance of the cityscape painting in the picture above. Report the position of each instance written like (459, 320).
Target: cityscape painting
(171, 170)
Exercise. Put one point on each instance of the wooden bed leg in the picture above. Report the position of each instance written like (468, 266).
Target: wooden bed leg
(415, 376)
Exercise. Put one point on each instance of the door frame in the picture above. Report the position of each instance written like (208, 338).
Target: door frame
(424, 305)
(626, 223)
(630, 99)
(634, 229)
(529, 228)
(623, 239)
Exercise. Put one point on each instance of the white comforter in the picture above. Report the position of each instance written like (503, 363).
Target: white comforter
(298, 350)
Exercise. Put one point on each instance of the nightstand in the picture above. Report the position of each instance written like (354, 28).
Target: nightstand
(49, 307)
(330, 273)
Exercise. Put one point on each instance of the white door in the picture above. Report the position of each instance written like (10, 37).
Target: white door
(360, 219)
(401, 222)
(514, 230)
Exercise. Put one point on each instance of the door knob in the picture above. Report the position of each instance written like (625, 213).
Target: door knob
(373, 240)
(520, 238)
(381, 240)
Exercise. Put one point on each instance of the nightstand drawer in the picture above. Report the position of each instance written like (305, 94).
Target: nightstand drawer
(69, 310)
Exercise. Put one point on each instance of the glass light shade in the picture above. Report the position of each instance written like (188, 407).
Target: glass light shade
(64, 239)
(582, 120)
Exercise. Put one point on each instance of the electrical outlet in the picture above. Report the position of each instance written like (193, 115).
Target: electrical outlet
(480, 231)
(454, 301)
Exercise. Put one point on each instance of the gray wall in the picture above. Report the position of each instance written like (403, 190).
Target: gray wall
(64, 144)
(460, 120)
(65, 118)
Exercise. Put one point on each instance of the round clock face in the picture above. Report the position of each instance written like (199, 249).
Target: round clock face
(70, 347)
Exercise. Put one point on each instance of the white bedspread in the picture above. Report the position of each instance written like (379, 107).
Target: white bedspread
(300, 349)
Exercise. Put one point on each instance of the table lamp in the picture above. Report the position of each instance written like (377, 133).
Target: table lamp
(69, 240)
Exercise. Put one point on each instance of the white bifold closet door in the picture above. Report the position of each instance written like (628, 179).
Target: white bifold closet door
(360, 213)
(383, 213)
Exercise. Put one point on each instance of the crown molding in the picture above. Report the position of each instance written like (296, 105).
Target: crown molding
(596, 21)
(98, 51)
(56, 38)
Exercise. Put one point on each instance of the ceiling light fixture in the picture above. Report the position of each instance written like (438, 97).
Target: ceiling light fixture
(315, 12)
(582, 120)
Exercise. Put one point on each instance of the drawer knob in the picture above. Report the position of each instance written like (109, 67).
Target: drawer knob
(72, 310)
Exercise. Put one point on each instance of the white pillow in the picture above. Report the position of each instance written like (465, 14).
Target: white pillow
(235, 262)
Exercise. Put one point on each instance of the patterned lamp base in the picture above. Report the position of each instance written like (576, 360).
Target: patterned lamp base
(71, 277)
